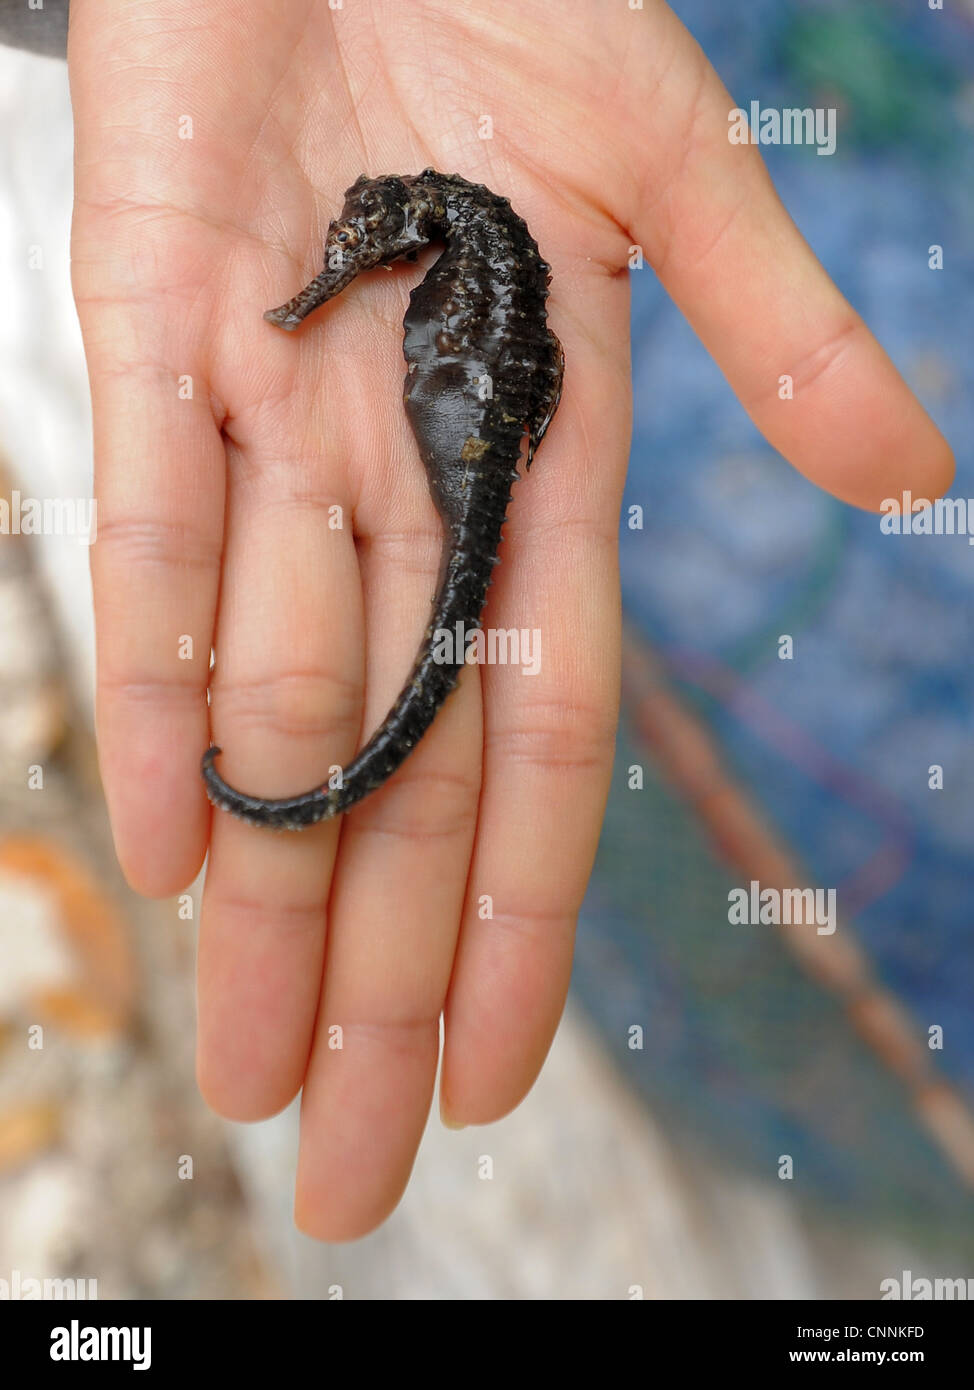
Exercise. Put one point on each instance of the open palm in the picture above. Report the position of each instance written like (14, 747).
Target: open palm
(261, 494)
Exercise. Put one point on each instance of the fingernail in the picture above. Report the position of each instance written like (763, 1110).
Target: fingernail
(447, 1122)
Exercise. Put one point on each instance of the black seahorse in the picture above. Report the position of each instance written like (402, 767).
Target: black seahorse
(483, 368)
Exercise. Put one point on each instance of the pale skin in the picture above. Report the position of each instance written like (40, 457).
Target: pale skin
(214, 520)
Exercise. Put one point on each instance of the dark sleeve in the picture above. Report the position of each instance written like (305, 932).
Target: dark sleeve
(41, 31)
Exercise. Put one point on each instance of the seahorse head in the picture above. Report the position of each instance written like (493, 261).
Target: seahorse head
(383, 218)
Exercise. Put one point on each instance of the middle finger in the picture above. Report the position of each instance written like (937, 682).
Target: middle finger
(395, 911)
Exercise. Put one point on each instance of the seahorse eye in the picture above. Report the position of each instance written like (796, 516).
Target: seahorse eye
(349, 235)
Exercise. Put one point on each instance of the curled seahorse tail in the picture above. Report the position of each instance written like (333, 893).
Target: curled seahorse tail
(289, 813)
(459, 601)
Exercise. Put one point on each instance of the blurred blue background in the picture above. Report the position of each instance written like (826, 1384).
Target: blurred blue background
(744, 1048)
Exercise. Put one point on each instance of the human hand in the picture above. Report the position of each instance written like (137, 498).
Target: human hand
(609, 129)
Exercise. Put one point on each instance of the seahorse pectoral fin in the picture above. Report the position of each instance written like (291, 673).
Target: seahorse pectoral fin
(548, 402)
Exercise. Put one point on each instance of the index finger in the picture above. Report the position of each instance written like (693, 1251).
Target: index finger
(155, 568)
